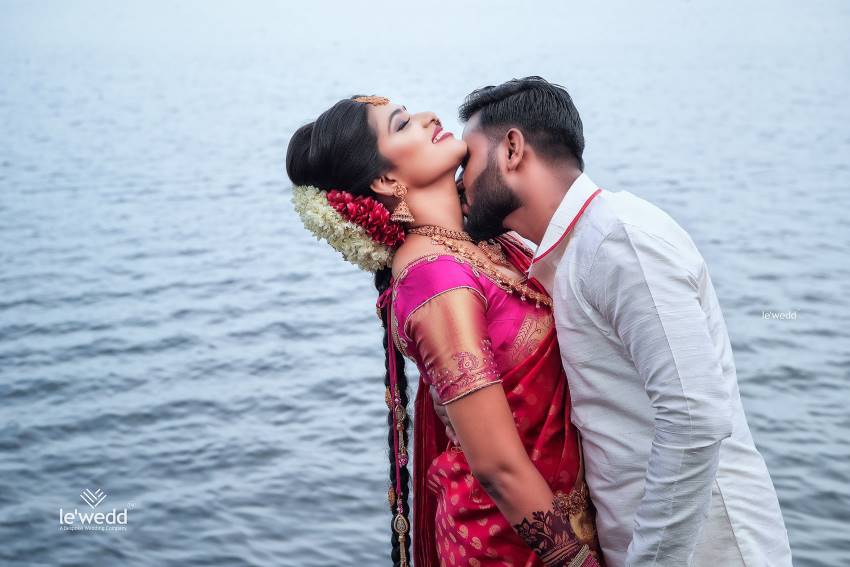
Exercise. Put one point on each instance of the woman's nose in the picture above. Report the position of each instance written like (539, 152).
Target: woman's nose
(428, 118)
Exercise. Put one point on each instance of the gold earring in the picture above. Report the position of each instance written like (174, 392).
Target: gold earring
(402, 211)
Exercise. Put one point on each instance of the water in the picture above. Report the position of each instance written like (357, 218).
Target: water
(170, 334)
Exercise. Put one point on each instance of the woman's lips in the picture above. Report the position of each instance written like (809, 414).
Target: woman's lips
(440, 135)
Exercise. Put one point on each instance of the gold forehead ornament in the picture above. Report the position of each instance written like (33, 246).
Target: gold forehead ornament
(375, 100)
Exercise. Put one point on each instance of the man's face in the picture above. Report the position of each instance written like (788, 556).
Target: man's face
(489, 199)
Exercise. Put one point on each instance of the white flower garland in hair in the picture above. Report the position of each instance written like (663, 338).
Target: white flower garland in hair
(349, 239)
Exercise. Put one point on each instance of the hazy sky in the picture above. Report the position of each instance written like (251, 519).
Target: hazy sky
(393, 25)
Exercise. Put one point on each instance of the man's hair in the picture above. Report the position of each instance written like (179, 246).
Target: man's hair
(543, 111)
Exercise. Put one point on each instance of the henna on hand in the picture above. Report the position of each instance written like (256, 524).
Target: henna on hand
(549, 534)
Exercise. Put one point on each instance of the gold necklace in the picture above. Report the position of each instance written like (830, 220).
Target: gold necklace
(431, 229)
(490, 248)
(494, 252)
(439, 236)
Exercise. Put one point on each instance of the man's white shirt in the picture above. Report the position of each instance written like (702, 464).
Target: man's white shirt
(670, 462)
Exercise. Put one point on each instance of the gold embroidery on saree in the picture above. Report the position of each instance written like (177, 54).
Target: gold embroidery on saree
(531, 332)
(400, 343)
(474, 371)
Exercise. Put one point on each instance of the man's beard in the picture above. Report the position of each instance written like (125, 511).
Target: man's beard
(494, 201)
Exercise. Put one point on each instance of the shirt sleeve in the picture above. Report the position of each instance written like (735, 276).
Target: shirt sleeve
(648, 290)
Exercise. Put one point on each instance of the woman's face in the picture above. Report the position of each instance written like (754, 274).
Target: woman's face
(419, 149)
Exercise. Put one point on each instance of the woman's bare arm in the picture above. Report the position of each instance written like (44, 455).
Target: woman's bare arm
(485, 427)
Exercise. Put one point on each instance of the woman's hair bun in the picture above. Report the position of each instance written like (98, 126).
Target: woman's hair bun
(338, 150)
(298, 155)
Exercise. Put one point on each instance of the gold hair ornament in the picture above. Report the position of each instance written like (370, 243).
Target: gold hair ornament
(373, 100)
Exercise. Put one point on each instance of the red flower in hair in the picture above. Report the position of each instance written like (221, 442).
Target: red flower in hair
(368, 213)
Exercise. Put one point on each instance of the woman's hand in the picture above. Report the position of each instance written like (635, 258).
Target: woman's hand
(499, 461)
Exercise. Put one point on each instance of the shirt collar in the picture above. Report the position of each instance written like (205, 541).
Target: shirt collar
(572, 206)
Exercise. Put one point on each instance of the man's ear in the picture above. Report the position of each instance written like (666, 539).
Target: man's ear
(384, 185)
(515, 145)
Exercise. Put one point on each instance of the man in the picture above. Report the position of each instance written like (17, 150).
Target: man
(670, 462)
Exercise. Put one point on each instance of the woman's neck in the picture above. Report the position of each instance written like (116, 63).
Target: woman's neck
(437, 205)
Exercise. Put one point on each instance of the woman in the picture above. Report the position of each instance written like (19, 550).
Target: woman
(510, 491)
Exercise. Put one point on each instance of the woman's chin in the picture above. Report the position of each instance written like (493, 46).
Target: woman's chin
(455, 145)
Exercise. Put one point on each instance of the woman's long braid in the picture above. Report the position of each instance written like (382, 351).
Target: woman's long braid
(339, 150)
(382, 282)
